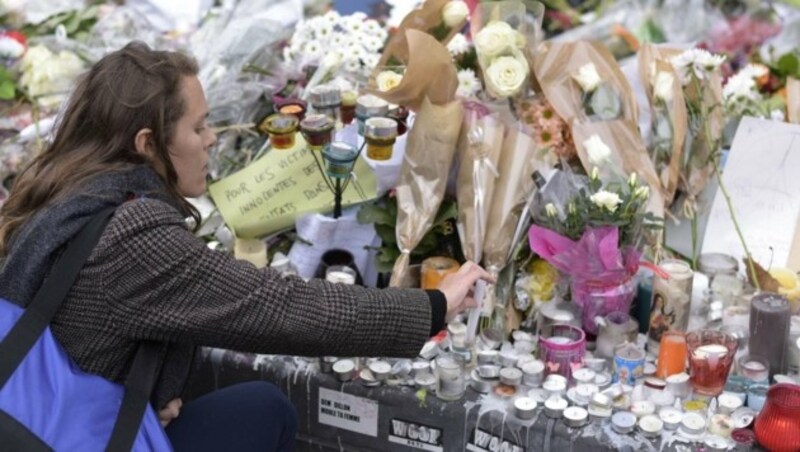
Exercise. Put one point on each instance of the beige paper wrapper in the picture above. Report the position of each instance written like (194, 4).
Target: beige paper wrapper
(518, 161)
(429, 153)
(698, 170)
(668, 170)
(426, 58)
(471, 155)
(556, 62)
(627, 153)
(793, 100)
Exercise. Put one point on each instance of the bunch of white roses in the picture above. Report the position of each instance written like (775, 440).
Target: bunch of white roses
(47, 76)
(499, 48)
(742, 97)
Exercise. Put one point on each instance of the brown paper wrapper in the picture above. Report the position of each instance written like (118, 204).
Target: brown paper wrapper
(698, 169)
(793, 100)
(429, 153)
(483, 154)
(651, 57)
(628, 154)
(426, 58)
(556, 62)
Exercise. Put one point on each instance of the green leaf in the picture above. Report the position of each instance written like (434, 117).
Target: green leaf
(373, 213)
(448, 210)
(387, 234)
(788, 65)
(7, 90)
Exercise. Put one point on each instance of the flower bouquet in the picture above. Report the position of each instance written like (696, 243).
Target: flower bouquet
(592, 231)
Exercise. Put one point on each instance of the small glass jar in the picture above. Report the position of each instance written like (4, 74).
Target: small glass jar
(380, 133)
(369, 106)
(347, 111)
(317, 130)
(339, 158)
(326, 100)
(400, 114)
(294, 107)
(450, 381)
(281, 129)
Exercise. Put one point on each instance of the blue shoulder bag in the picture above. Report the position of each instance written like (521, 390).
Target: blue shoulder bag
(46, 401)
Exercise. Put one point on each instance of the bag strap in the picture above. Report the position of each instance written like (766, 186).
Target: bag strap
(40, 312)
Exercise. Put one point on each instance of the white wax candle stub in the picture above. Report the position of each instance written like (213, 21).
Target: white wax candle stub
(586, 390)
(780, 378)
(643, 408)
(559, 340)
(716, 443)
(554, 386)
(576, 416)
(729, 402)
(380, 368)
(344, 366)
(556, 403)
(510, 376)
(651, 425)
(339, 277)
(721, 424)
(425, 380)
(525, 407)
(711, 351)
(623, 421)
(538, 394)
(602, 379)
(671, 417)
(584, 375)
(525, 359)
(693, 423)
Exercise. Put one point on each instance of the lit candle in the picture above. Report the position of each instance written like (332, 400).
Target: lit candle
(769, 330)
(651, 425)
(525, 408)
(575, 416)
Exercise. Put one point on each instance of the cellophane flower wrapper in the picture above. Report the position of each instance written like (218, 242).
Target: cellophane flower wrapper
(501, 37)
(668, 117)
(555, 64)
(793, 100)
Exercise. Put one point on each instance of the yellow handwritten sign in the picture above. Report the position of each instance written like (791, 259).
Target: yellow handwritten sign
(271, 192)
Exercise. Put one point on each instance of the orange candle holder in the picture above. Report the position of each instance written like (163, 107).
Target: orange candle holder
(434, 270)
(672, 354)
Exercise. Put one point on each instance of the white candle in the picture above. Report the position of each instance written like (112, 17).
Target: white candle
(711, 351)
(509, 358)
(728, 403)
(576, 416)
(678, 384)
(601, 400)
(623, 422)
(510, 376)
(339, 277)
(420, 367)
(671, 417)
(755, 371)
(489, 371)
(487, 356)
(643, 408)
(651, 425)
(586, 391)
(662, 398)
(525, 407)
(554, 407)
(584, 375)
(743, 417)
(555, 387)
(693, 423)
(344, 369)
(429, 350)
(721, 425)
(425, 381)
(380, 369)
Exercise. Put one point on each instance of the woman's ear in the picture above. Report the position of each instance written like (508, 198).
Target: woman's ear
(144, 143)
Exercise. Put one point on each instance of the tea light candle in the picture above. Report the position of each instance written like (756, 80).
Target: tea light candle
(380, 134)
(720, 425)
(643, 408)
(367, 378)
(651, 426)
(743, 417)
(554, 407)
(757, 396)
(693, 424)
(420, 367)
(434, 270)
(429, 350)
(671, 417)
(341, 275)
(575, 416)
(339, 157)
(736, 386)
(596, 364)
(743, 438)
(345, 369)
(326, 364)
(425, 381)
(317, 130)
(479, 384)
(598, 413)
(586, 390)
(754, 368)
(525, 408)
(538, 394)
(694, 406)
(716, 443)
(728, 403)
(487, 357)
(623, 422)
(532, 373)
(509, 358)
(510, 376)
(770, 319)
(555, 387)
(525, 359)
(662, 398)
(601, 400)
(381, 370)
(584, 375)
(678, 384)
(602, 380)
(402, 368)
(489, 371)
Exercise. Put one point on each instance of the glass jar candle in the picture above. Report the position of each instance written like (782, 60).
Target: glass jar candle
(755, 369)
(778, 426)
(672, 354)
(713, 264)
(347, 111)
(380, 134)
(563, 350)
(326, 100)
(615, 328)
(671, 302)
(339, 158)
(450, 381)
(434, 269)
(317, 130)
(770, 323)
(369, 106)
(294, 107)
(628, 363)
(281, 129)
(711, 355)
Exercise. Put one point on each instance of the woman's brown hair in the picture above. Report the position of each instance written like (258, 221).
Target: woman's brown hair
(128, 90)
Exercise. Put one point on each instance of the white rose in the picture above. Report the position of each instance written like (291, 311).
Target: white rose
(551, 210)
(607, 200)
(598, 151)
(495, 38)
(587, 77)
(777, 115)
(663, 86)
(642, 192)
(506, 75)
(388, 80)
(632, 180)
(454, 12)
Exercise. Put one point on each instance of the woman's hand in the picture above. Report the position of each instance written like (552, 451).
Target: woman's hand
(170, 412)
(458, 288)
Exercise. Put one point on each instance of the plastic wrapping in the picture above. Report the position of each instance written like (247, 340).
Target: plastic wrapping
(793, 100)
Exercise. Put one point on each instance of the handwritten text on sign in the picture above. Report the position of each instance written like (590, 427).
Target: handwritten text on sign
(761, 175)
(271, 192)
(348, 412)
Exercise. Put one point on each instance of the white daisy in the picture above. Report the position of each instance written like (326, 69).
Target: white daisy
(338, 40)
(458, 45)
(468, 83)
(373, 44)
(777, 115)
(313, 50)
(370, 61)
(371, 27)
(332, 17)
(353, 25)
(323, 32)
(352, 65)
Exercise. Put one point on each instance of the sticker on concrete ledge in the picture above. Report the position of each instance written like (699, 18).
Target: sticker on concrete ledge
(418, 436)
(483, 441)
(348, 412)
